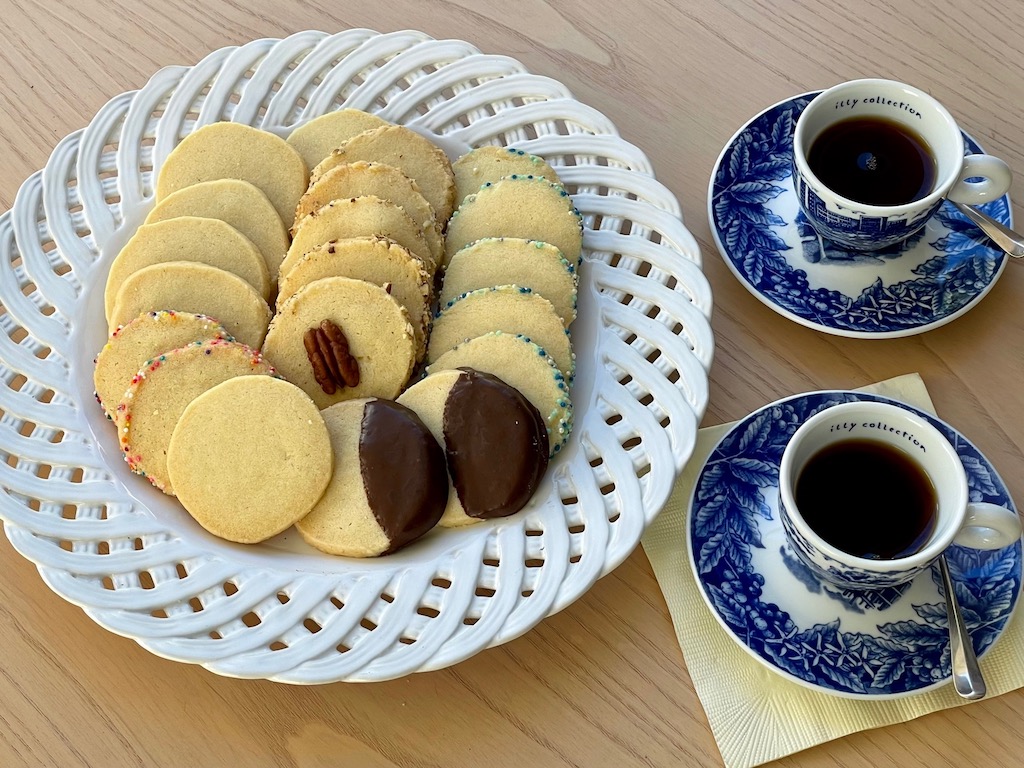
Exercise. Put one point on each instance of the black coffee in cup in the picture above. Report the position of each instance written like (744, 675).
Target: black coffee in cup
(874, 161)
(868, 499)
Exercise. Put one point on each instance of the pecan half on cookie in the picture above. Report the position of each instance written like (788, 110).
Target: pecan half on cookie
(332, 362)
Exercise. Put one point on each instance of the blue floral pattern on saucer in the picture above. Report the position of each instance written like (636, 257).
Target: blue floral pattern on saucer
(941, 271)
(870, 644)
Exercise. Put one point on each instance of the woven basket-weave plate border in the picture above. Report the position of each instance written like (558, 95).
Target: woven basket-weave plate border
(134, 560)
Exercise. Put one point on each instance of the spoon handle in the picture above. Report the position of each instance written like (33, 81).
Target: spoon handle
(1003, 236)
(967, 677)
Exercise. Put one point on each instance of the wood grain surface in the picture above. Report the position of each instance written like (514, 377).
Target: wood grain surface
(602, 683)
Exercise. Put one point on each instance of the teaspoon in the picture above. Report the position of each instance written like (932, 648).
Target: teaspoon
(1010, 241)
(967, 677)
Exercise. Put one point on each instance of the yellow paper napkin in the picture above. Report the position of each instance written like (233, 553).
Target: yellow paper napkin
(756, 715)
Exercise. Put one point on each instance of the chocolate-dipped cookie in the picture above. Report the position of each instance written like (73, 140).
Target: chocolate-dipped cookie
(496, 442)
(389, 485)
(524, 365)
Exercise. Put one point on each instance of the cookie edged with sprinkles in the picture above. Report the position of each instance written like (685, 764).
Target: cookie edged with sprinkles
(534, 264)
(518, 206)
(148, 336)
(490, 163)
(162, 389)
(511, 309)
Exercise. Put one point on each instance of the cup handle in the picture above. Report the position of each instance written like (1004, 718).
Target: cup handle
(995, 178)
(988, 526)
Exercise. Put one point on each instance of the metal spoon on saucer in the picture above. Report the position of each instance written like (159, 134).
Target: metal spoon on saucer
(1010, 241)
(967, 677)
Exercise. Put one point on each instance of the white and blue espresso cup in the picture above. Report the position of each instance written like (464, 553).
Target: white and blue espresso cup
(973, 179)
(956, 519)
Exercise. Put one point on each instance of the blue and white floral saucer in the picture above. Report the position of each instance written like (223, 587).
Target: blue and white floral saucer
(863, 644)
(928, 280)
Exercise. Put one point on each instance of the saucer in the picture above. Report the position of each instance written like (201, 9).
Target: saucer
(863, 644)
(926, 281)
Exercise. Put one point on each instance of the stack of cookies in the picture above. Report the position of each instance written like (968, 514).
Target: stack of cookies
(319, 429)
(512, 252)
(366, 246)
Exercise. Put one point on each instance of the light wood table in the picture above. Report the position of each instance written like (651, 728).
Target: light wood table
(602, 683)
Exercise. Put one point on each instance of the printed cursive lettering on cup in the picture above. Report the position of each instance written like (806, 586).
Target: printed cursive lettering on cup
(879, 426)
(880, 100)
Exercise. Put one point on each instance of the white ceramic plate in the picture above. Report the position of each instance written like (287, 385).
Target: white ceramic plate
(139, 565)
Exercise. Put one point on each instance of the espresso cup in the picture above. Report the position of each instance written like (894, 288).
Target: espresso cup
(926, 133)
(854, 483)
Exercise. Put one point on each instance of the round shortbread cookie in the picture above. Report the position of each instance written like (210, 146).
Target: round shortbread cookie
(365, 216)
(376, 260)
(315, 140)
(227, 150)
(188, 238)
(541, 267)
(142, 339)
(506, 308)
(249, 457)
(389, 486)
(521, 364)
(160, 391)
(380, 180)
(187, 286)
(375, 325)
(483, 164)
(495, 442)
(518, 206)
(241, 205)
(417, 157)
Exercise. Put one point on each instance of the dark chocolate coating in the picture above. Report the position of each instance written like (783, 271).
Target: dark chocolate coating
(496, 444)
(403, 470)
